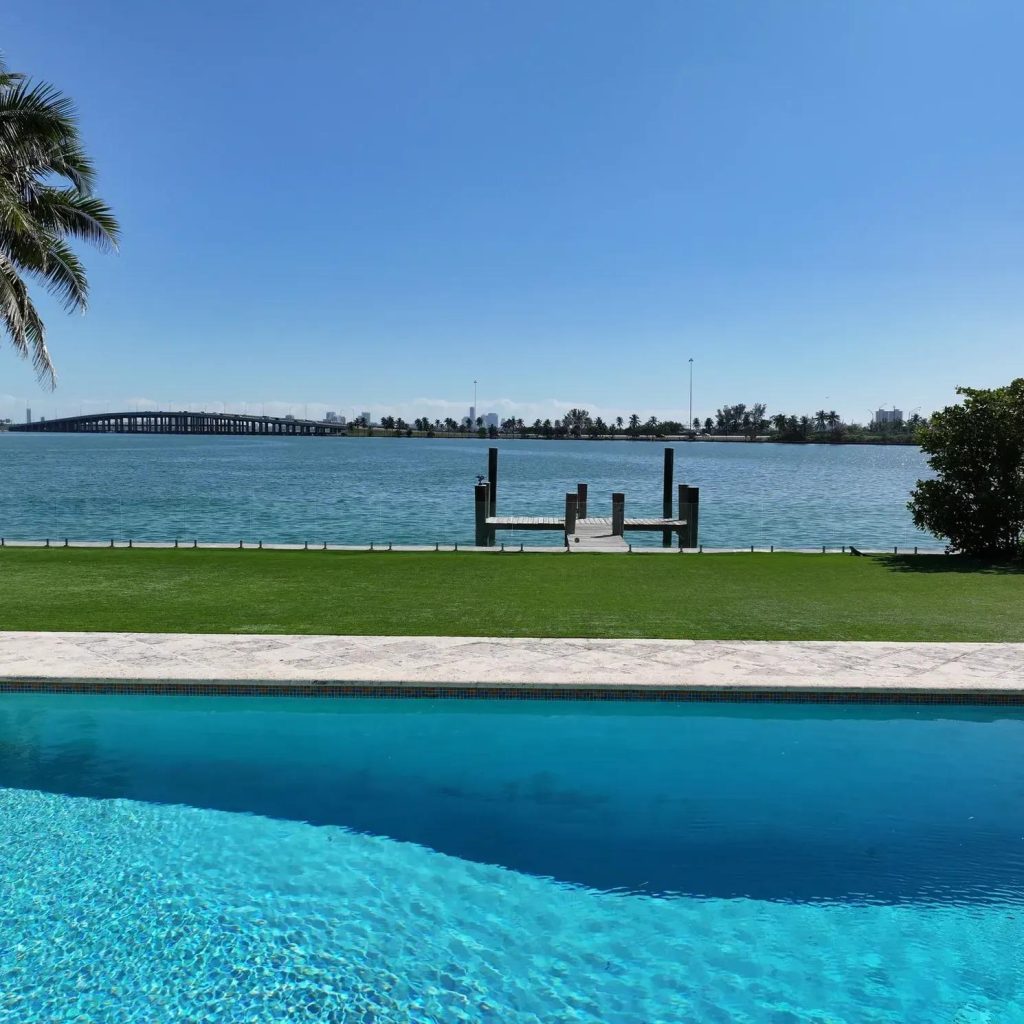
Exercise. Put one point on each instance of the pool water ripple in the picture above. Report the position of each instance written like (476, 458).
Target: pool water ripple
(126, 911)
(501, 862)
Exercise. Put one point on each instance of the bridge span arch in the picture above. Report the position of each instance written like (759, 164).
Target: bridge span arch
(160, 422)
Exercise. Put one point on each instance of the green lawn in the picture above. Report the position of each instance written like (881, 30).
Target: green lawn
(770, 596)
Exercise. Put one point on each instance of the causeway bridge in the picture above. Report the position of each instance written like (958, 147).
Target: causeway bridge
(157, 422)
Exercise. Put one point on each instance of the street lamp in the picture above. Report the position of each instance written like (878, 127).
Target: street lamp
(690, 424)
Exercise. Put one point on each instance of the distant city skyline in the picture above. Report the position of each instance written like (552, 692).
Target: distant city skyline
(52, 407)
(566, 202)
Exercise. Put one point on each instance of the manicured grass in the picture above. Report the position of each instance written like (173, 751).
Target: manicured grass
(777, 596)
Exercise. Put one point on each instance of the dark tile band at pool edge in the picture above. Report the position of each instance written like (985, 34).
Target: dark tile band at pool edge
(747, 694)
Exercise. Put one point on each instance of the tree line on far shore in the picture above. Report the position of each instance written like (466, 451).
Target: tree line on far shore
(751, 422)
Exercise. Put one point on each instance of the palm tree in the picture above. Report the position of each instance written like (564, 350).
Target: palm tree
(46, 200)
(634, 424)
(819, 419)
(757, 416)
(779, 422)
(576, 421)
(618, 423)
(832, 419)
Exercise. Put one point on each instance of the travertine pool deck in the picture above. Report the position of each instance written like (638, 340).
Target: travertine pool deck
(222, 662)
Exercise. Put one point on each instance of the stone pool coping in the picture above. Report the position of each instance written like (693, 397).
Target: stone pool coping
(497, 666)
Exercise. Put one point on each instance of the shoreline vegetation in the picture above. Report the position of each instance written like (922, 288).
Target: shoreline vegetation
(712, 597)
(526, 435)
(731, 423)
(734, 423)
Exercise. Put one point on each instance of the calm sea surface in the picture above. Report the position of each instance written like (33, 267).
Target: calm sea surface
(407, 490)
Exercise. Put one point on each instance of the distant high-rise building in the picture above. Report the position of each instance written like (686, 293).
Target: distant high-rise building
(472, 415)
(331, 417)
(491, 419)
(365, 417)
(888, 417)
(28, 415)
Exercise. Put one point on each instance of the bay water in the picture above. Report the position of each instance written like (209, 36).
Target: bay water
(420, 490)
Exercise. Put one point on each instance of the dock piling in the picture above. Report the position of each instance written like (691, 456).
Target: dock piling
(571, 507)
(482, 504)
(492, 480)
(682, 504)
(581, 501)
(666, 502)
(618, 514)
(692, 517)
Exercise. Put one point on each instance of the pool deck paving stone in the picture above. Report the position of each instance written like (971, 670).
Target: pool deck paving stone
(469, 662)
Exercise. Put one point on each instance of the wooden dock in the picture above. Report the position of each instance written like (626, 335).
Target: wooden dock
(582, 531)
(594, 533)
(526, 523)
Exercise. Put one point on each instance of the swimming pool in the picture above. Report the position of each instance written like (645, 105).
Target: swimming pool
(236, 859)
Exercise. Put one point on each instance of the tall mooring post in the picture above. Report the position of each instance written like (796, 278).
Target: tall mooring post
(692, 517)
(492, 479)
(571, 506)
(581, 501)
(666, 496)
(482, 504)
(618, 514)
(683, 506)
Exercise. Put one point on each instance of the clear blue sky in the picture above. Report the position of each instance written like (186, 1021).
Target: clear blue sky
(368, 205)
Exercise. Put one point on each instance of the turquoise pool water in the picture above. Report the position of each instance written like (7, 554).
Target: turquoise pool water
(389, 861)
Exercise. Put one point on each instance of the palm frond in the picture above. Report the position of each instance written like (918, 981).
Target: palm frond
(63, 274)
(23, 324)
(66, 211)
(40, 216)
(38, 131)
(72, 162)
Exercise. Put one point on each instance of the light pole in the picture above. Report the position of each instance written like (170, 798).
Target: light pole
(474, 402)
(690, 424)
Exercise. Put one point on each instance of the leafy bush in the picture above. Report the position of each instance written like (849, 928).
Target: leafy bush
(977, 451)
